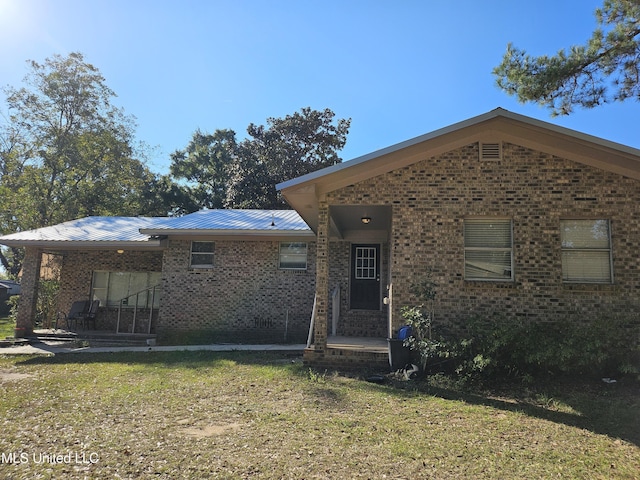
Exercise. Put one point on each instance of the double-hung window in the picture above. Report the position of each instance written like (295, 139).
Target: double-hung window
(293, 256)
(586, 251)
(488, 249)
(202, 254)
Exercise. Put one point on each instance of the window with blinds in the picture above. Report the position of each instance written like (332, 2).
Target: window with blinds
(586, 251)
(488, 249)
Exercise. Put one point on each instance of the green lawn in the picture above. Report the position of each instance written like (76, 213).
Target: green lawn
(235, 415)
(7, 327)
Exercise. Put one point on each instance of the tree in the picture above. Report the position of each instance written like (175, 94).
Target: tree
(606, 69)
(66, 151)
(205, 165)
(170, 198)
(287, 148)
(223, 173)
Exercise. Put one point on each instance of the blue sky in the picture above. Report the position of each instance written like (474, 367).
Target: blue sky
(398, 69)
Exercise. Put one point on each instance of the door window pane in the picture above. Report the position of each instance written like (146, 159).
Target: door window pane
(131, 287)
(365, 263)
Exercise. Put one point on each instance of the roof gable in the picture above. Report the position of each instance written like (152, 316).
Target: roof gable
(303, 192)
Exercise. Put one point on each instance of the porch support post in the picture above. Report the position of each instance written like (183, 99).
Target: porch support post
(29, 292)
(322, 279)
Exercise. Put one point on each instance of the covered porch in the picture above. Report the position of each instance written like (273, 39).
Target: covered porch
(84, 255)
(122, 284)
(352, 321)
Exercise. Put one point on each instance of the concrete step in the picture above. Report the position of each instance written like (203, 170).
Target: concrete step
(13, 342)
(94, 338)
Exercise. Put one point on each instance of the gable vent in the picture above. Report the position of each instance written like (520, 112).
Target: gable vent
(490, 151)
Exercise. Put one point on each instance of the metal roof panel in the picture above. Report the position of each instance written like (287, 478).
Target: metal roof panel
(239, 220)
(88, 229)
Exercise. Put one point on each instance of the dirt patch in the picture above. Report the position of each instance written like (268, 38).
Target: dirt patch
(210, 430)
(8, 376)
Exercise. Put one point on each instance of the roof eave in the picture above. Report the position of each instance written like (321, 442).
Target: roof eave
(450, 131)
(75, 244)
(310, 177)
(227, 232)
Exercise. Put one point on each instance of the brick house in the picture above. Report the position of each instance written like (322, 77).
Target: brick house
(241, 276)
(513, 216)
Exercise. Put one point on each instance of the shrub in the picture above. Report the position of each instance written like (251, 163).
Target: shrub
(420, 319)
(503, 347)
(48, 291)
(498, 346)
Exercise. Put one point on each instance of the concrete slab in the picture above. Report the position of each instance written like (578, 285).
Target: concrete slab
(56, 348)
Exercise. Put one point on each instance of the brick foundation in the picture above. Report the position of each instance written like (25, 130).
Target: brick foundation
(340, 359)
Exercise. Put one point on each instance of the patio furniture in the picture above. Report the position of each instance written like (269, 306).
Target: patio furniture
(75, 313)
(90, 315)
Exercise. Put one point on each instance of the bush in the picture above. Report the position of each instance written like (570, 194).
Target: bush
(498, 347)
(420, 319)
(503, 347)
(48, 291)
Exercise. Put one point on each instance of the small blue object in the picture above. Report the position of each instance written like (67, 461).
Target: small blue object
(404, 332)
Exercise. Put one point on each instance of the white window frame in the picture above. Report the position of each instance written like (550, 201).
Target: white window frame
(478, 256)
(284, 255)
(196, 256)
(577, 252)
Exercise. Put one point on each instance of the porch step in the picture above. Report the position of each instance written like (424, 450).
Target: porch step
(344, 359)
(13, 342)
(96, 338)
(117, 342)
(361, 353)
